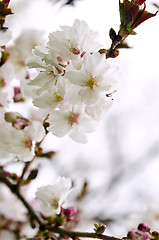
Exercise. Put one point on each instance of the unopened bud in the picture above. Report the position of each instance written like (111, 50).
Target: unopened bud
(138, 234)
(99, 228)
(11, 116)
(18, 95)
(33, 174)
(143, 227)
(102, 51)
(155, 234)
(69, 213)
(17, 120)
(114, 53)
(112, 34)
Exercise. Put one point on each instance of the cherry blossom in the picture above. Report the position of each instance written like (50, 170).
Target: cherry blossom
(72, 120)
(73, 41)
(95, 77)
(52, 197)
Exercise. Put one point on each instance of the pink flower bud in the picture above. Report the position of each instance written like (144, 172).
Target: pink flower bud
(69, 213)
(18, 95)
(144, 227)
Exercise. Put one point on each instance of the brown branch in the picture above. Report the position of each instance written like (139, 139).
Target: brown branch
(43, 226)
(71, 234)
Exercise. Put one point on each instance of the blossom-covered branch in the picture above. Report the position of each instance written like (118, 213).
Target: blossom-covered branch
(73, 86)
(44, 226)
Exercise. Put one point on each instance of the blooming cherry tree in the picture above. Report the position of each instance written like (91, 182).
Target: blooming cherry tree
(71, 83)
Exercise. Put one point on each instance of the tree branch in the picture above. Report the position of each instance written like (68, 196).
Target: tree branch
(64, 232)
(43, 226)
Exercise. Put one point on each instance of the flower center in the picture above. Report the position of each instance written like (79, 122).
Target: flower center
(50, 74)
(2, 82)
(54, 202)
(28, 143)
(73, 118)
(58, 98)
(74, 50)
(91, 83)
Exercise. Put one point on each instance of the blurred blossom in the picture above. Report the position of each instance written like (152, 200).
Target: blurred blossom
(21, 49)
(6, 90)
(5, 235)
(15, 211)
(20, 143)
(6, 76)
(5, 37)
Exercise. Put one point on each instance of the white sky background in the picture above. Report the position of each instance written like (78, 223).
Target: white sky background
(129, 130)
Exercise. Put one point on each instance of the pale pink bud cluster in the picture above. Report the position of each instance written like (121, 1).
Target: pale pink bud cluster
(141, 233)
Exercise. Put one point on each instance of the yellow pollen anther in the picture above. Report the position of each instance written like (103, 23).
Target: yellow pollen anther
(92, 82)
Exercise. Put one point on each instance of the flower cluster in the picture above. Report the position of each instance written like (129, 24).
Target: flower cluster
(142, 233)
(74, 84)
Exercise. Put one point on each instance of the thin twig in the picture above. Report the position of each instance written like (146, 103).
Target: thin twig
(27, 164)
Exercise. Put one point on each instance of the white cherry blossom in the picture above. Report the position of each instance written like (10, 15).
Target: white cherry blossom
(21, 50)
(72, 120)
(95, 77)
(73, 41)
(52, 197)
(49, 70)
